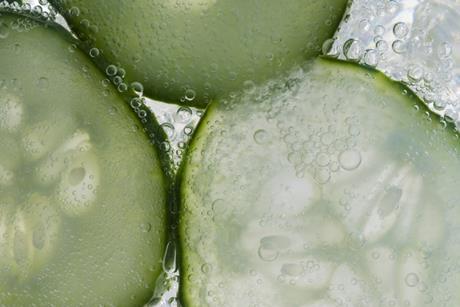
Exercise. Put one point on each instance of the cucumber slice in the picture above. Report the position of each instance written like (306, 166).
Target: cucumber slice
(190, 51)
(331, 187)
(82, 193)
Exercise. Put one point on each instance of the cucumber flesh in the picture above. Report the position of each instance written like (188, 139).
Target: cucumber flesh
(82, 193)
(191, 51)
(330, 187)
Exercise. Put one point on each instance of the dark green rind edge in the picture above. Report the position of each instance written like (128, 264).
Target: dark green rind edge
(180, 188)
(151, 127)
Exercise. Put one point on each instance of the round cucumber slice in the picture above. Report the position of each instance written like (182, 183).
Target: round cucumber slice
(82, 193)
(190, 51)
(331, 187)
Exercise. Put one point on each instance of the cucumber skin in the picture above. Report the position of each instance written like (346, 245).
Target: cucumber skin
(65, 39)
(153, 75)
(181, 190)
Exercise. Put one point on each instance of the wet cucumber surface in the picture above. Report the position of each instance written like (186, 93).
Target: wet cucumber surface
(331, 187)
(191, 51)
(82, 193)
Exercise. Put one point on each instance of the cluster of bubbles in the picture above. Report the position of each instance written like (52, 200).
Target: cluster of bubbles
(178, 122)
(37, 8)
(323, 152)
(411, 42)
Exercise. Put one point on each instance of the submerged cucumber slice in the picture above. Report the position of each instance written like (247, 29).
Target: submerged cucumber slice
(190, 51)
(332, 187)
(82, 194)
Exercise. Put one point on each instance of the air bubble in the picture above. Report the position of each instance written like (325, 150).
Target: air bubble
(168, 129)
(94, 52)
(188, 130)
(117, 80)
(444, 50)
(381, 45)
(371, 58)
(350, 159)
(415, 73)
(267, 254)
(412, 280)
(398, 46)
(379, 30)
(76, 175)
(38, 9)
(322, 175)
(206, 268)
(74, 11)
(249, 86)
(122, 87)
(4, 31)
(145, 227)
(142, 114)
(292, 269)
(261, 136)
(43, 83)
(364, 25)
(352, 50)
(329, 48)
(111, 70)
(400, 30)
(190, 95)
(137, 87)
(183, 115)
(136, 103)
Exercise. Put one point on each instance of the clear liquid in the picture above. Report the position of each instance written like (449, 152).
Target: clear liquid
(411, 41)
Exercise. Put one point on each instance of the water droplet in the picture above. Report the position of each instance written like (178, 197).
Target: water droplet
(350, 159)
(412, 279)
